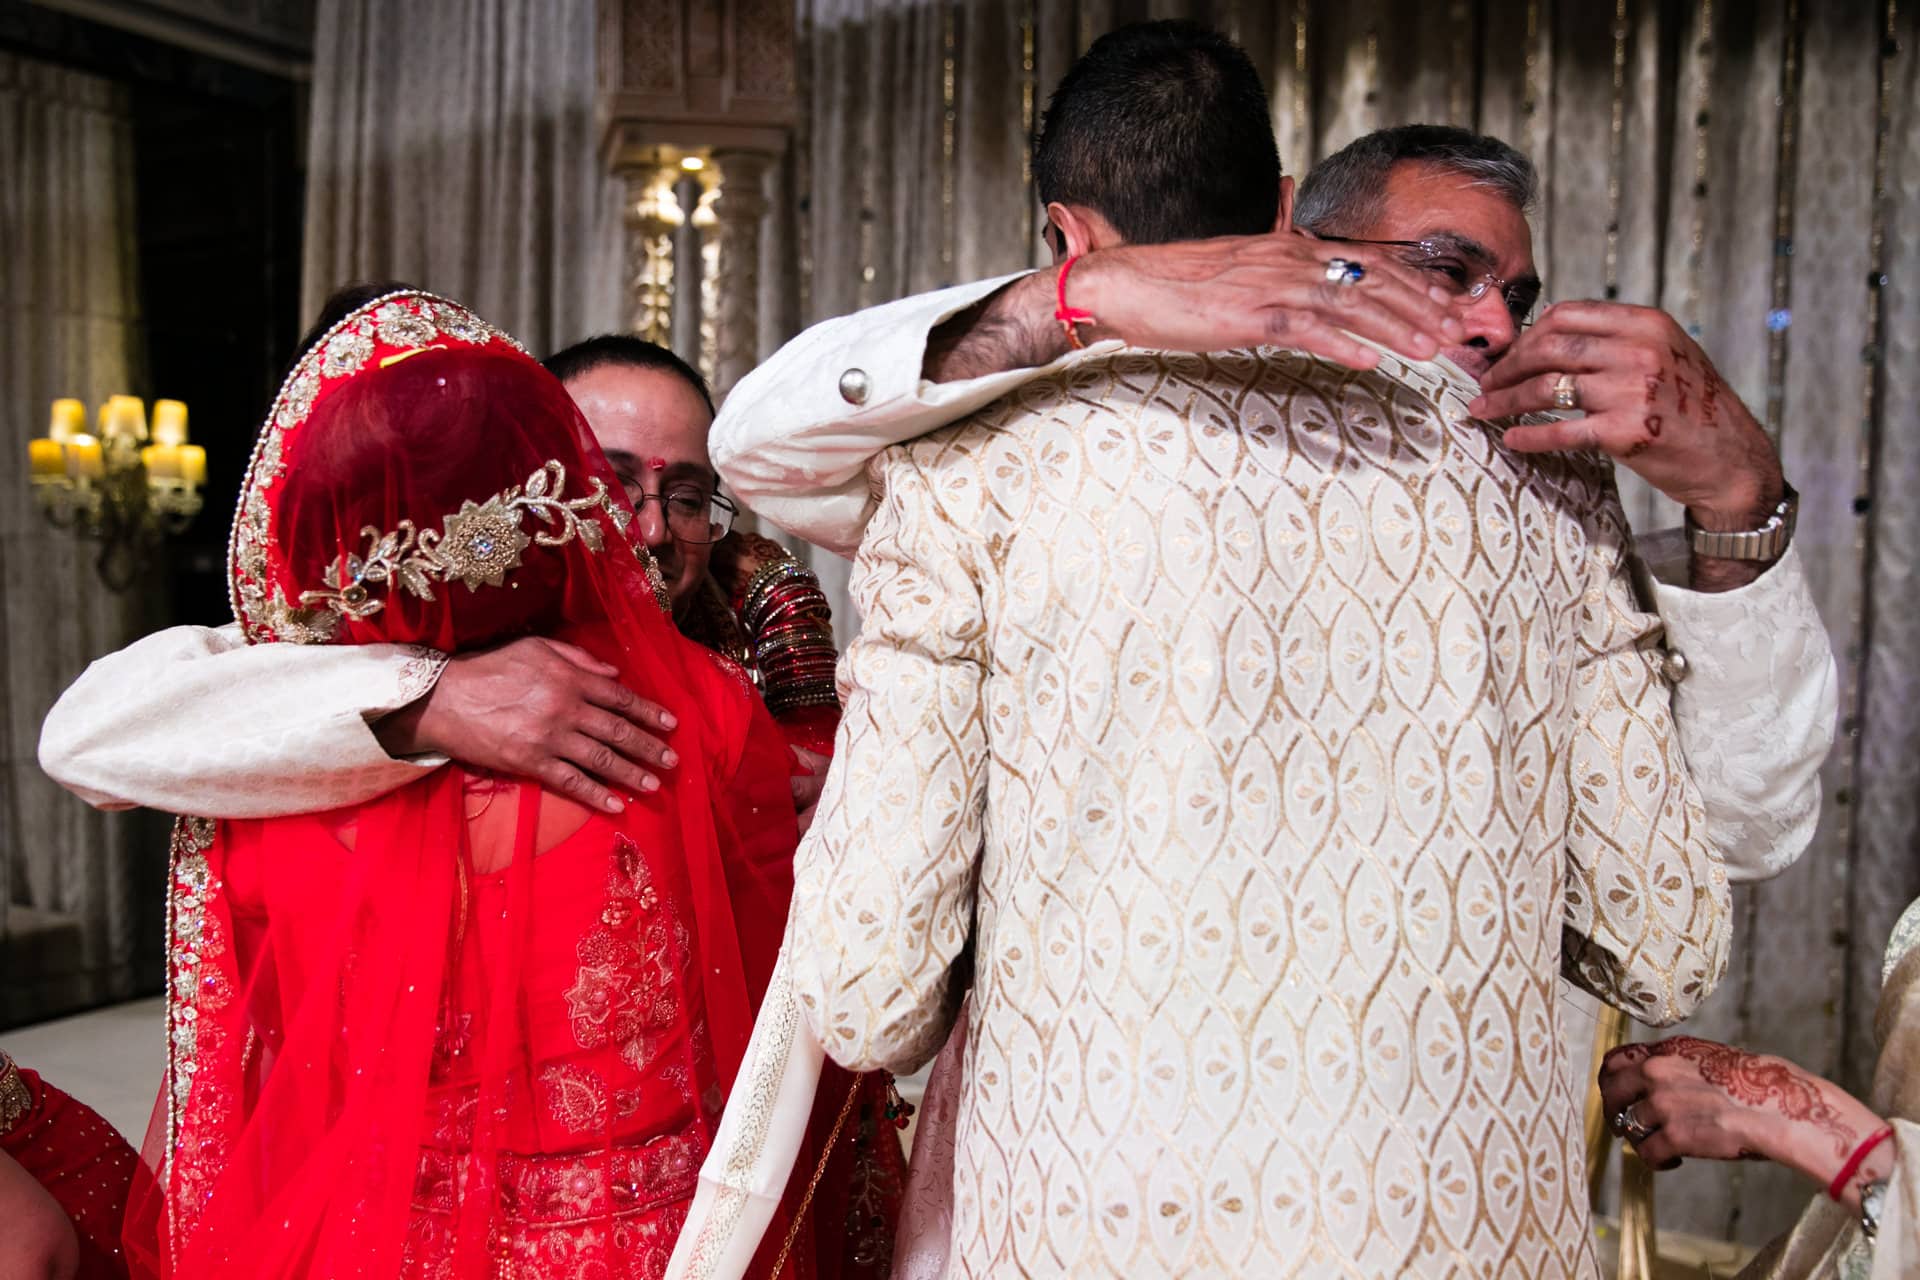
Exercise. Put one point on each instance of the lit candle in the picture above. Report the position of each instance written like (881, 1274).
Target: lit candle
(69, 420)
(83, 458)
(193, 465)
(162, 461)
(48, 458)
(169, 422)
(126, 419)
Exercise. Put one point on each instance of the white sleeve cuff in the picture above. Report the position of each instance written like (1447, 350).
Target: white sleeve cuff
(794, 437)
(1755, 712)
(192, 720)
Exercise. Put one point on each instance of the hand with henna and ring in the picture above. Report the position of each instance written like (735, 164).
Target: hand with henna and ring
(1652, 400)
(1686, 1098)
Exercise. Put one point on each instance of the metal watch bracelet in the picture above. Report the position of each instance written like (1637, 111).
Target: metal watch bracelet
(1768, 542)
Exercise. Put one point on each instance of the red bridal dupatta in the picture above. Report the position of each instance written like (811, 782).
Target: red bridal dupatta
(467, 1029)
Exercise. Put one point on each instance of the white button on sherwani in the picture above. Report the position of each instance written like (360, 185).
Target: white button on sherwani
(1254, 737)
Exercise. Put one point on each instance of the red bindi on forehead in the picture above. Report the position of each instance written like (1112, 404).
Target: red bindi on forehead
(656, 464)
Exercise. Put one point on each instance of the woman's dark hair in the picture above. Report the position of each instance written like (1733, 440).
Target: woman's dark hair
(340, 304)
(624, 351)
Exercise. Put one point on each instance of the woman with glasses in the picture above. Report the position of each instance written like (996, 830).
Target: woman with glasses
(738, 594)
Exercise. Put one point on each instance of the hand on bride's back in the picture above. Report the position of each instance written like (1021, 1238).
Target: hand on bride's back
(539, 709)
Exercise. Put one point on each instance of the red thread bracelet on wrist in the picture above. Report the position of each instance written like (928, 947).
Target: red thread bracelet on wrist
(1854, 1161)
(1069, 317)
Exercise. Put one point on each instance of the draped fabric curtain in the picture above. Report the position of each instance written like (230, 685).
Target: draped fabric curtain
(1752, 166)
(453, 147)
(71, 932)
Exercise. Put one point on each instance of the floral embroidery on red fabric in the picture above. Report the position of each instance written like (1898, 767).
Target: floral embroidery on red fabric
(627, 989)
(202, 1054)
(611, 1214)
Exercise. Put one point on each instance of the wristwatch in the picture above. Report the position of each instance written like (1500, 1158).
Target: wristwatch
(1871, 1200)
(1768, 542)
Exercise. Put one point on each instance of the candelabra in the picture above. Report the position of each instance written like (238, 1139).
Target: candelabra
(125, 487)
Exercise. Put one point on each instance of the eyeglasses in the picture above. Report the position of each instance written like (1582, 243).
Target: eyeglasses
(692, 515)
(1467, 276)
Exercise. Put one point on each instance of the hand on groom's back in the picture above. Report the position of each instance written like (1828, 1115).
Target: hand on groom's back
(539, 709)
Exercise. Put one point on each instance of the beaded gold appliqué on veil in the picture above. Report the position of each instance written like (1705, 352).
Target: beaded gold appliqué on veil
(479, 545)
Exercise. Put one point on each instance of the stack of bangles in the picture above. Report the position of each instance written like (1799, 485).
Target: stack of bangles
(790, 630)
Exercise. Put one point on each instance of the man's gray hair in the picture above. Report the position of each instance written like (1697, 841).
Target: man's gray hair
(1344, 192)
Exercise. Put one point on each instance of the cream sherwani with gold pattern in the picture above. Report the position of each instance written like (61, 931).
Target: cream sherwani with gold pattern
(1252, 731)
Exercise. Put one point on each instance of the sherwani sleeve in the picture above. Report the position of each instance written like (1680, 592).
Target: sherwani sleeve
(795, 448)
(1755, 712)
(884, 883)
(1647, 922)
(196, 720)
(760, 1136)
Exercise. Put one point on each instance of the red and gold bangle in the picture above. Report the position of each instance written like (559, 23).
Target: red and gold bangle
(799, 599)
(822, 698)
(782, 564)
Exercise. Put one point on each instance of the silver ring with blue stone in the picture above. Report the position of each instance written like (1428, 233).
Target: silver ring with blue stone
(1345, 271)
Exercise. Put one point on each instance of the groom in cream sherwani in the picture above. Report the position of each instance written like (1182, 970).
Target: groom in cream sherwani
(1254, 736)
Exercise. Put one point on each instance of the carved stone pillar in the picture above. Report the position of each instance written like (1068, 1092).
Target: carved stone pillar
(683, 82)
(649, 259)
(687, 271)
(741, 206)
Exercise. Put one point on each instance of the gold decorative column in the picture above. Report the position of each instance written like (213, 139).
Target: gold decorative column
(741, 206)
(690, 89)
(650, 227)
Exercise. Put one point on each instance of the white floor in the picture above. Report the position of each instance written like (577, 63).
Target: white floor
(111, 1059)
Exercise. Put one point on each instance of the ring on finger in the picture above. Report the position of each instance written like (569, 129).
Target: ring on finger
(1345, 271)
(1627, 1123)
(1566, 392)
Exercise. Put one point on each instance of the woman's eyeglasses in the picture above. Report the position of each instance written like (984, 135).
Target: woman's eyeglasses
(692, 515)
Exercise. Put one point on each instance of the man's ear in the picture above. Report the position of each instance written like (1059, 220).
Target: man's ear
(1285, 221)
(1078, 229)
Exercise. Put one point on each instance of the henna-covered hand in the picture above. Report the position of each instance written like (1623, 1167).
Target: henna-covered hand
(1653, 400)
(1706, 1100)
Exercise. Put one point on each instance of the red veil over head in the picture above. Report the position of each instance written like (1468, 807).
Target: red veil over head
(464, 1029)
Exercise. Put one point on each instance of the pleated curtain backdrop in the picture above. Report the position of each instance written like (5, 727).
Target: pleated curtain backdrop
(452, 146)
(1752, 166)
(79, 890)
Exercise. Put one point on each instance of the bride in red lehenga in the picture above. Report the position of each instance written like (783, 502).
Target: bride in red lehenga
(469, 1029)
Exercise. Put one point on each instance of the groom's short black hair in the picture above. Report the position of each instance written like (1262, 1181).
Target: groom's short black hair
(1163, 129)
